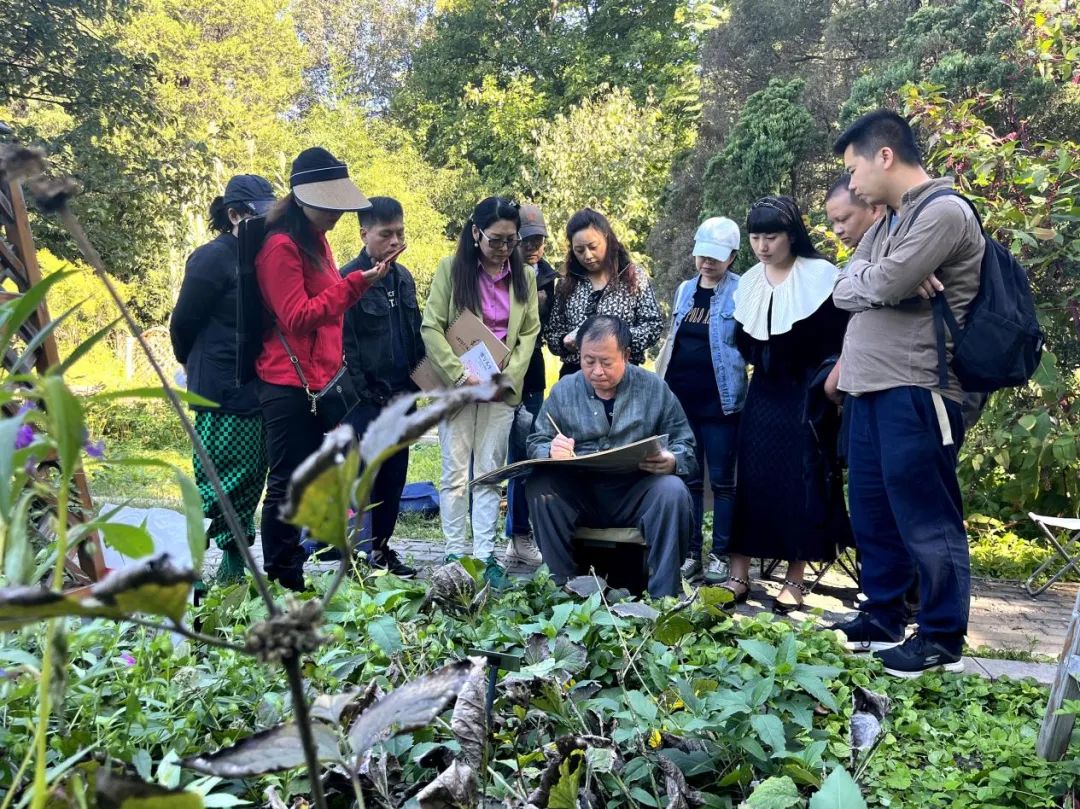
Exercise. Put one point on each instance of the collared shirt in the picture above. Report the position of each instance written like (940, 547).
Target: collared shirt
(495, 299)
(891, 340)
(643, 406)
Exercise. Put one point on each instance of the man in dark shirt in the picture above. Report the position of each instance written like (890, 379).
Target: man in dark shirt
(522, 548)
(382, 345)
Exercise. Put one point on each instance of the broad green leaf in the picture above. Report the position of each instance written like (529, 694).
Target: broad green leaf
(410, 707)
(601, 759)
(774, 793)
(762, 652)
(133, 541)
(642, 705)
(838, 792)
(560, 614)
(18, 551)
(672, 628)
(153, 586)
(815, 687)
(272, 750)
(715, 596)
(66, 426)
(13, 314)
(564, 794)
(9, 431)
(569, 656)
(770, 730)
(320, 490)
(193, 514)
(384, 631)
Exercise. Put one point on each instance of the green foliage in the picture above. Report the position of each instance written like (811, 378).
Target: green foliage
(620, 146)
(763, 152)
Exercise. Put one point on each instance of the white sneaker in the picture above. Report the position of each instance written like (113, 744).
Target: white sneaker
(691, 569)
(522, 549)
(717, 570)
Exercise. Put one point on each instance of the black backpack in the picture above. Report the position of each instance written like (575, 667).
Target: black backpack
(252, 318)
(1000, 343)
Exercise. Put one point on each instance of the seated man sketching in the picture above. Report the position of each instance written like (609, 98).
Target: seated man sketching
(607, 404)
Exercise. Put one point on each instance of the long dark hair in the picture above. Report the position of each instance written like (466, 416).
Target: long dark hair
(617, 257)
(782, 215)
(465, 268)
(288, 217)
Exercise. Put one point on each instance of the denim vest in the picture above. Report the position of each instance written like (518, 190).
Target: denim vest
(728, 364)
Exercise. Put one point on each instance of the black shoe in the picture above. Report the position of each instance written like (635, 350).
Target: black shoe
(740, 596)
(290, 580)
(916, 655)
(387, 559)
(863, 634)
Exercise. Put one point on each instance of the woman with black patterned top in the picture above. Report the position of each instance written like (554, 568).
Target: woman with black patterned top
(600, 279)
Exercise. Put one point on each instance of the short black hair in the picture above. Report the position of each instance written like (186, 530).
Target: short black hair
(383, 210)
(780, 214)
(599, 327)
(843, 184)
(879, 129)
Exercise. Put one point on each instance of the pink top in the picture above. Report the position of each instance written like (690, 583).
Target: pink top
(495, 300)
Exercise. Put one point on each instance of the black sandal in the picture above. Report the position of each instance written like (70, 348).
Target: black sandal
(740, 598)
(783, 608)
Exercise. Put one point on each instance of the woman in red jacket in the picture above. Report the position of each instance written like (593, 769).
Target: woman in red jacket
(304, 390)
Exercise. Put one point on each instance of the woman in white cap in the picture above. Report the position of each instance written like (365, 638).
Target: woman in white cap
(707, 374)
(304, 389)
(789, 501)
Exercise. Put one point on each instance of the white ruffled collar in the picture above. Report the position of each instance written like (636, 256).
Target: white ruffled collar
(807, 286)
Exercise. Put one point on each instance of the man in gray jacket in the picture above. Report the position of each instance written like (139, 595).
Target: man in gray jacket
(905, 503)
(607, 404)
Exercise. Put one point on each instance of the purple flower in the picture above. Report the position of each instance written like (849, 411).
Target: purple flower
(25, 408)
(95, 449)
(25, 436)
(127, 659)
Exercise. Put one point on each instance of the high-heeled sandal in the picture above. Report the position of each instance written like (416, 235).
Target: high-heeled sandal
(783, 607)
(740, 598)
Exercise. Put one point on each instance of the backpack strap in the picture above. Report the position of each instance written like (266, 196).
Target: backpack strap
(943, 316)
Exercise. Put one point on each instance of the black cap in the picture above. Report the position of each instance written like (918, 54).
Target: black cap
(251, 190)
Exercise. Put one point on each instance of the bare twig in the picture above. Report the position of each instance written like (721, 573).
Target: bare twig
(191, 634)
(303, 724)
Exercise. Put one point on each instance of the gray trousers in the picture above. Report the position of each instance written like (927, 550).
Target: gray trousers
(659, 506)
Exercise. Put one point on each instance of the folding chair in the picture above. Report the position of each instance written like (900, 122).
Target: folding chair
(846, 561)
(1068, 548)
(619, 554)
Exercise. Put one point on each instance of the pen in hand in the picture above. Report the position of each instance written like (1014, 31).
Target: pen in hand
(559, 433)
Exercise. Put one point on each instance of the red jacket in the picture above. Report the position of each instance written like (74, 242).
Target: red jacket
(308, 306)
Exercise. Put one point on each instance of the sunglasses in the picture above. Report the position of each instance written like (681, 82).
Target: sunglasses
(497, 244)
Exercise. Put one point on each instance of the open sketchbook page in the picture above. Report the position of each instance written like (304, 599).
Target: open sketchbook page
(618, 460)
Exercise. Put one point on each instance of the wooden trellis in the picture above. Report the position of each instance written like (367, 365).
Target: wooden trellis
(19, 269)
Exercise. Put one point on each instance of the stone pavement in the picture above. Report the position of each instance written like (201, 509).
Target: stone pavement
(1003, 616)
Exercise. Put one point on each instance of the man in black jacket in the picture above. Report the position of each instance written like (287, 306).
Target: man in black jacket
(382, 345)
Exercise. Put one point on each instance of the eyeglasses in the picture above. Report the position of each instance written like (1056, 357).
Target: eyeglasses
(498, 244)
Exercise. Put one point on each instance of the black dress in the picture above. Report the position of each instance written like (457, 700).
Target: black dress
(789, 497)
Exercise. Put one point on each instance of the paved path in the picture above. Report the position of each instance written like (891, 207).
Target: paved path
(1003, 616)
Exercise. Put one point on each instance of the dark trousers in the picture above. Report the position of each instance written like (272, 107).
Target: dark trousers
(715, 449)
(906, 511)
(517, 505)
(657, 505)
(292, 433)
(389, 482)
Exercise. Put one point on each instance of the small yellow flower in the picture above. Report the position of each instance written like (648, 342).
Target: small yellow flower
(654, 739)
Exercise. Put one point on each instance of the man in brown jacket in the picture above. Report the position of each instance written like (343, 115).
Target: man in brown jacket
(906, 509)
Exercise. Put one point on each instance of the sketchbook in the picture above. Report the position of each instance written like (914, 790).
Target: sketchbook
(465, 334)
(618, 460)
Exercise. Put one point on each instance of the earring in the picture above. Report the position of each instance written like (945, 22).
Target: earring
(476, 244)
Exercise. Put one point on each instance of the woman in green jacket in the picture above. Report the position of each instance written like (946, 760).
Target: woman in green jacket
(485, 276)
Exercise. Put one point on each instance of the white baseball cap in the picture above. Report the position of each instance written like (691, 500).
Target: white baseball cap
(717, 238)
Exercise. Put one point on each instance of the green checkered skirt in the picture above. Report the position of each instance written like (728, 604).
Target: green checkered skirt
(237, 448)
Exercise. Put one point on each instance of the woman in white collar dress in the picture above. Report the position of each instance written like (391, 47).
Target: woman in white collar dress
(789, 500)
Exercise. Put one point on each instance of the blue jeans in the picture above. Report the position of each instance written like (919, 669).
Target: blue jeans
(907, 513)
(714, 448)
(517, 507)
